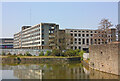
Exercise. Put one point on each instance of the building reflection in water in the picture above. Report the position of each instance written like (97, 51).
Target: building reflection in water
(28, 74)
(60, 71)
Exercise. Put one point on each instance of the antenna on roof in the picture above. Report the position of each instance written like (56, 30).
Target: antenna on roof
(30, 16)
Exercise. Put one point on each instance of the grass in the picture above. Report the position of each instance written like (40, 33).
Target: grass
(38, 56)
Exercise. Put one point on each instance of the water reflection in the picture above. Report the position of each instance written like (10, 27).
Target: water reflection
(56, 71)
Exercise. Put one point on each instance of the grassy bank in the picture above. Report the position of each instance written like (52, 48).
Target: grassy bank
(12, 56)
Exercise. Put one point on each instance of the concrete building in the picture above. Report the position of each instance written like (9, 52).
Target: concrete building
(6, 43)
(118, 32)
(82, 38)
(48, 36)
(40, 36)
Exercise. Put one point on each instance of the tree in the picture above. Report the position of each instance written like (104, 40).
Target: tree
(3, 53)
(48, 53)
(9, 53)
(55, 52)
(81, 54)
(28, 54)
(103, 32)
(41, 53)
(61, 40)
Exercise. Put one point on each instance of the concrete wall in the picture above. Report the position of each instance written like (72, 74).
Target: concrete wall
(85, 56)
(23, 51)
(105, 58)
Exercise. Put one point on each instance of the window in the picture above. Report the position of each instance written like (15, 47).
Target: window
(91, 35)
(87, 35)
(75, 47)
(79, 31)
(91, 31)
(91, 41)
(87, 31)
(75, 31)
(75, 34)
(79, 39)
(79, 47)
(87, 41)
(79, 42)
(75, 39)
(52, 31)
(71, 31)
(83, 35)
(83, 31)
(71, 47)
(79, 35)
(43, 42)
(71, 34)
(75, 42)
(52, 27)
(83, 41)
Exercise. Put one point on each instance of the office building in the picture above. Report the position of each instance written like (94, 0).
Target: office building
(40, 36)
(49, 36)
(6, 43)
(82, 38)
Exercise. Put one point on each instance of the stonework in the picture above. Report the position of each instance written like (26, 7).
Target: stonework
(105, 57)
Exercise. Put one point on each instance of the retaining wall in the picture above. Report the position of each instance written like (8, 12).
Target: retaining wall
(105, 57)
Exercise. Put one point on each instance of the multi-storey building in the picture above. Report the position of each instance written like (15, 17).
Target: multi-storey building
(6, 43)
(82, 38)
(48, 36)
(40, 36)
(118, 32)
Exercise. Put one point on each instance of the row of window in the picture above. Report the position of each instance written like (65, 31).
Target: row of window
(31, 43)
(81, 35)
(84, 31)
(31, 39)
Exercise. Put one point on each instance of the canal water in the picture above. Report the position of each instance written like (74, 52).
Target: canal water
(52, 71)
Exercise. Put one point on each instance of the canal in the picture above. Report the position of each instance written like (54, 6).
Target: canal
(52, 71)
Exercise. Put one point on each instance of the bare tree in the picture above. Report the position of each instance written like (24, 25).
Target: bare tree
(102, 35)
(61, 40)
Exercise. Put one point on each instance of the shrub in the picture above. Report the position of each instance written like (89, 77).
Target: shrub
(14, 54)
(41, 53)
(81, 54)
(9, 54)
(55, 52)
(3, 53)
(88, 58)
(62, 54)
(28, 54)
(20, 54)
(70, 52)
(77, 52)
(48, 53)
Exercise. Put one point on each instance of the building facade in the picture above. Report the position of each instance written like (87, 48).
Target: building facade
(118, 32)
(40, 36)
(83, 38)
(49, 36)
(6, 43)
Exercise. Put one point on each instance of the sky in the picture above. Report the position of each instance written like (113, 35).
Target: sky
(75, 15)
